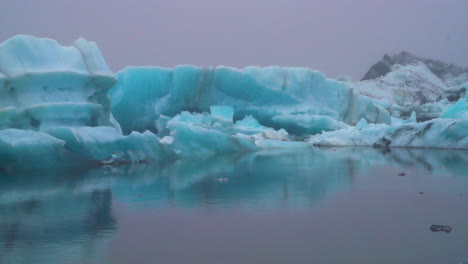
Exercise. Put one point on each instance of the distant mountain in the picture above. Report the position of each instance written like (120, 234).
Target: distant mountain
(445, 71)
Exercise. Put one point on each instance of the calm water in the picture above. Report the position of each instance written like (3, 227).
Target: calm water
(345, 205)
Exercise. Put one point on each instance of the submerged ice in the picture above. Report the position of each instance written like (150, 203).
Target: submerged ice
(62, 106)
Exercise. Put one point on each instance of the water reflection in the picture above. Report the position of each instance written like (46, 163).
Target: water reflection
(48, 213)
(255, 181)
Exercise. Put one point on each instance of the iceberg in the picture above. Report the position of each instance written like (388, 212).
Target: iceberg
(55, 108)
(268, 94)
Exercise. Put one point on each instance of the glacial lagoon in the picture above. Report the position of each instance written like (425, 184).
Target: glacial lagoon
(319, 205)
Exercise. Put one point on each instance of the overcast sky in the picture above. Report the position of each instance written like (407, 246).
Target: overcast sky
(333, 36)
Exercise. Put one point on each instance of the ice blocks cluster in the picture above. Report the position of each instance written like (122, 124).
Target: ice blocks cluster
(57, 108)
(191, 134)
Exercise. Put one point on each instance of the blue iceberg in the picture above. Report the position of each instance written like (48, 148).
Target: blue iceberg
(55, 108)
(269, 94)
(47, 85)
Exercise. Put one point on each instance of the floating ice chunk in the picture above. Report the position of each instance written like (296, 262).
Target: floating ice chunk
(197, 140)
(361, 124)
(224, 114)
(249, 123)
(192, 118)
(167, 140)
(250, 126)
(66, 146)
(437, 133)
(272, 134)
(191, 135)
(25, 148)
(105, 144)
(459, 110)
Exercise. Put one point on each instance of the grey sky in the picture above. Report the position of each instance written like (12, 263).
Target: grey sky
(333, 36)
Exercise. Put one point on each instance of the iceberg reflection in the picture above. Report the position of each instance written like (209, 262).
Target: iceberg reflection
(45, 213)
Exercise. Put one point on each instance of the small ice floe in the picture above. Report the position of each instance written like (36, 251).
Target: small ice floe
(440, 228)
(222, 179)
(401, 174)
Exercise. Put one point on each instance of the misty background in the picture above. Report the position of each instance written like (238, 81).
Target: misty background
(336, 37)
